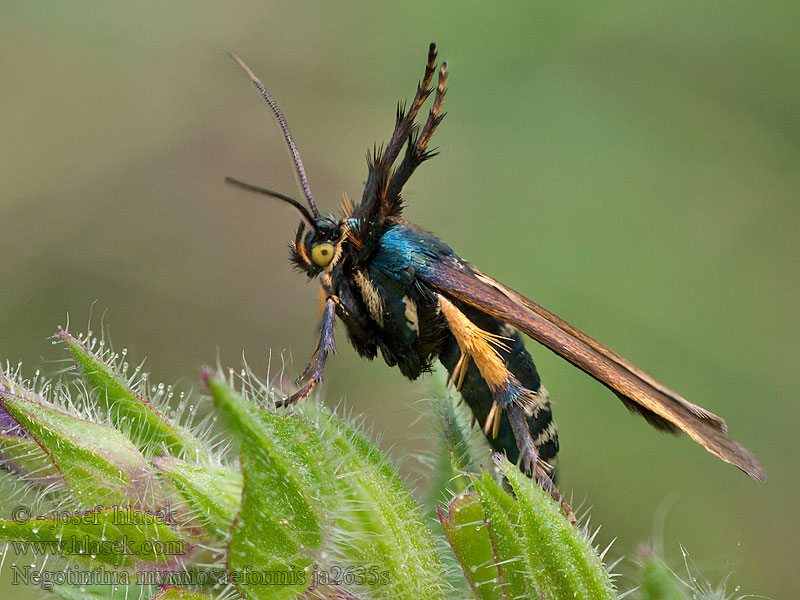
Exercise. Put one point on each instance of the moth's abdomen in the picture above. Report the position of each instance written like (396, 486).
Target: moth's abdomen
(479, 397)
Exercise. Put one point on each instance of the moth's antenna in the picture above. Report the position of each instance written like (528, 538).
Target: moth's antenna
(261, 190)
(287, 135)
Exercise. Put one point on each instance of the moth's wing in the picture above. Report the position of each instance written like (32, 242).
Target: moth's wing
(640, 392)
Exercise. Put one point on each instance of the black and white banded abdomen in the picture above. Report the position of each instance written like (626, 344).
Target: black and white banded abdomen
(479, 397)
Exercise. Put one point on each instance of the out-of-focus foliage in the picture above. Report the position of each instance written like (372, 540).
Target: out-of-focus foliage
(633, 167)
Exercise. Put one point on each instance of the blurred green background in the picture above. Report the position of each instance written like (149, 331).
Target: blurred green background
(634, 167)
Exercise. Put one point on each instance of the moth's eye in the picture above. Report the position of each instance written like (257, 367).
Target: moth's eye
(322, 254)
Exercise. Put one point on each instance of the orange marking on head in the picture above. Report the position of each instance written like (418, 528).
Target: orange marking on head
(301, 250)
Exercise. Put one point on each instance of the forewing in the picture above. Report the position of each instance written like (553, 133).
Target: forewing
(639, 391)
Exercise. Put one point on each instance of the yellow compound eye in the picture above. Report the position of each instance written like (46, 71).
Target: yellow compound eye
(322, 254)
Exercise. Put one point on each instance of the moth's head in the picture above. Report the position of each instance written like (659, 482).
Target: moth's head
(318, 243)
(319, 248)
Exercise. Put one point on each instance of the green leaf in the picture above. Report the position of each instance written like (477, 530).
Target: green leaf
(536, 552)
(24, 456)
(177, 593)
(517, 574)
(110, 536)
(126, 589)
(99, 464)
(380, 524)
(658, 582)
(130, 412)
(213, 492)
(287, 495)
(560, 560)
(466, 530)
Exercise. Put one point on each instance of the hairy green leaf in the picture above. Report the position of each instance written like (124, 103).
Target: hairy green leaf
(130, 412)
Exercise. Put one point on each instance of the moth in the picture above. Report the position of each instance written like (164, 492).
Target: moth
(400, 290)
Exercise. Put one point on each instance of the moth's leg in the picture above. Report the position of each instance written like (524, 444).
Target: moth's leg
(530, 458)
(316, 367)
(459, 372)
(323, 294)
(480, 346)
(509, 394)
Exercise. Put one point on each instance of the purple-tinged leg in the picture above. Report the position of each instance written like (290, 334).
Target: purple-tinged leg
(314, 370)
(530, 458)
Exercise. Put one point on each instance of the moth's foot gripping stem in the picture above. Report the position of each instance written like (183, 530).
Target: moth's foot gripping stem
(315, 369)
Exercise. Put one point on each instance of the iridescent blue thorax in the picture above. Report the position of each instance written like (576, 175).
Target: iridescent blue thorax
(404, 251)
(404, 322)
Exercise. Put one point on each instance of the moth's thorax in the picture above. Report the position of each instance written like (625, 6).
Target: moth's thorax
(383, 289)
